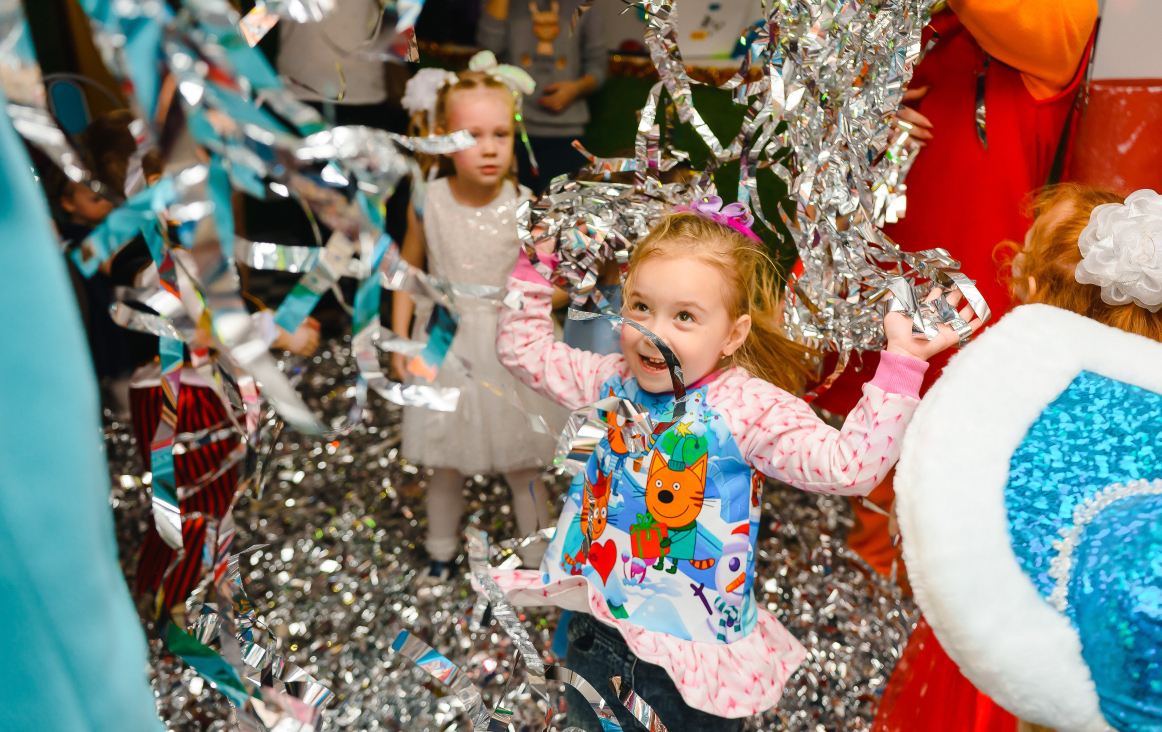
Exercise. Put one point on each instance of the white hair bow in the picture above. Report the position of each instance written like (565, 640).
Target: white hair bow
(511, 76)
(422, 89)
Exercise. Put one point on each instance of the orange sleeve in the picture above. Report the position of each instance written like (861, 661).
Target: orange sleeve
(1043, 39)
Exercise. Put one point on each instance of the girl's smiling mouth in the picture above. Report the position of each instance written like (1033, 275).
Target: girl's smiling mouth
(655, 365)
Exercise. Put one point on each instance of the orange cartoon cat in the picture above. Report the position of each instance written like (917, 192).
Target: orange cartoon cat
(674, 496)
(573, 556)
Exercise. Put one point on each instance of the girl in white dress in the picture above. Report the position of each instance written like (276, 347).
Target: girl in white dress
(466, 230)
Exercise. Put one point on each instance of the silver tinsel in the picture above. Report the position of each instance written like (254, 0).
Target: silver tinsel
(343, 521)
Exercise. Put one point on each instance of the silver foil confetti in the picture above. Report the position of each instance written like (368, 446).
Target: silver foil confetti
(836, 75)
(336, 582)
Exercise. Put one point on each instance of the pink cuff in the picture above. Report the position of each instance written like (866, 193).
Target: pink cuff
(900, 374)
(526, 272)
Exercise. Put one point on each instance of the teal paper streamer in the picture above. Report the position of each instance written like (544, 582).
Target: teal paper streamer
(218, 190)
(209, 665)
(142, 44)
(202, 130)
(373, 213)
(123, 224)
(238, 108)
(367, 296)
(248, 62)
(295, 308)
(441, 330)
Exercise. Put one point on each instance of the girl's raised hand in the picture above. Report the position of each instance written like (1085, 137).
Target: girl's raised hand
(898, 329)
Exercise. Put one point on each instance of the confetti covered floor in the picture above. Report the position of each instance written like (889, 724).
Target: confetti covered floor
(343, 523)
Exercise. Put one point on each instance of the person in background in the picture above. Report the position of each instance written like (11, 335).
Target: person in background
(331, 63)
(567, 68)
(333, 66)
(76, 656)
(927, 690)
(1028, 58)
(1023, 62)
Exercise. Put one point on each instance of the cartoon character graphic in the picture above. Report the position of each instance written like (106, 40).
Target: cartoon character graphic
(675, 493)
(730, 580)
(573, 557)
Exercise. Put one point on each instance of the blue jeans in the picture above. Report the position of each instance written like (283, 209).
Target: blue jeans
(597, 652)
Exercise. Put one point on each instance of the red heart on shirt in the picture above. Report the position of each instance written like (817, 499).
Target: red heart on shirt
(603, 557)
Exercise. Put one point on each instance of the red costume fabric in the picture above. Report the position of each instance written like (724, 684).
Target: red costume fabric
(198, 409)
(942, 700)
(967, 198)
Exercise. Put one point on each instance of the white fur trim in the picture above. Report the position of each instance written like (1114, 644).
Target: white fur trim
(950, 481)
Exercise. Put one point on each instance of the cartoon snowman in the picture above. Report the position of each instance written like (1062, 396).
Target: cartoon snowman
(730, 581)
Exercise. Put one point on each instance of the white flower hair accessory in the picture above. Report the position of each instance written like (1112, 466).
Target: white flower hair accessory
(1121, 251)
(421, 90)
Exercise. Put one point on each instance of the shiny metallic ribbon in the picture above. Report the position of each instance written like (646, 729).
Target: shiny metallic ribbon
(585, 428)
(503, 611)
(672, 363)
(330, 264)
(209, 665)
(637, 706)
(278, 257)
(596, 702)
(841, 72)
(448, 674)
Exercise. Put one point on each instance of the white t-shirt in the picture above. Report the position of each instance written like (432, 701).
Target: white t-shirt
(308, 53)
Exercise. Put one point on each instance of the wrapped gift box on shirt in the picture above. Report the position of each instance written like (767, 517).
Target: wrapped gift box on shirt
(646, 537)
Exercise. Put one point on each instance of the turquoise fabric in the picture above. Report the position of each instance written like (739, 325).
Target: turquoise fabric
(1097, 433)
(72, 652)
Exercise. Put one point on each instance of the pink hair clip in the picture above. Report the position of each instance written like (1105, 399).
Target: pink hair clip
(735, 215)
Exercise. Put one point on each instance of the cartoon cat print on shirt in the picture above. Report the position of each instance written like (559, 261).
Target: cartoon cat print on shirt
(675, 493)
(573, 558)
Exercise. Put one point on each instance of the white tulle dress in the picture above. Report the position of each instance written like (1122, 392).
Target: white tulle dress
(485, 435)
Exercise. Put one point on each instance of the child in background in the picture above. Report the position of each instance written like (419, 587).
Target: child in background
(663, 592)
(467, 234)
(928, 691)
(106, 145)
(206, 467)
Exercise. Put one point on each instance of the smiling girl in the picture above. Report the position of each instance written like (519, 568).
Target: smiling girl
(467, 234)
(664, 596)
